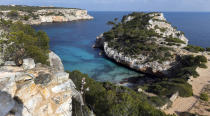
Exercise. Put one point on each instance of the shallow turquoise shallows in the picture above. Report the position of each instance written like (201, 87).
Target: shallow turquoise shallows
(73, 41)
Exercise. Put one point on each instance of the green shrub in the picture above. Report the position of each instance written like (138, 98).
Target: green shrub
(158, 101)
(208, 49)
(195, 49)
(204, 97)
(13, 14)
(25, 17)
(171, 86)
(107, 99)
(27, 41)
(175, 40)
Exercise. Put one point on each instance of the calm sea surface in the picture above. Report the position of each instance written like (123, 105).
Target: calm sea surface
(73, 41)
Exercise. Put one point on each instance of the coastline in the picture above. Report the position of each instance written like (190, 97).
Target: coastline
(186, 104)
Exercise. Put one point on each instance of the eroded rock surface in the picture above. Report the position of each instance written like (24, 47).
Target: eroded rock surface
(37, 91)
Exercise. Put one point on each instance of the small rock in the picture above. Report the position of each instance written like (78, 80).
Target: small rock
(55, 62)
(43, 79)
(28, 63)
(61, 76)
(140, 90)
(9, 63)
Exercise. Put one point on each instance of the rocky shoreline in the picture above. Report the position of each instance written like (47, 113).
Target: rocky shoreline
(157, 23)
(47, 16)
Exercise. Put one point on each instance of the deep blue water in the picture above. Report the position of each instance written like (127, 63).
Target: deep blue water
(73, 41)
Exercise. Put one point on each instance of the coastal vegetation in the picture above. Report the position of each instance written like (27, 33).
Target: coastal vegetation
(28, 9)
(133, 38)
(166, 86)
(13, 14)
(194, 49)
(107, 99)
(204, 97)
(23, 41)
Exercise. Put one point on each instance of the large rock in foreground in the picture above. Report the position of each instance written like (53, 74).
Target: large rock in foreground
(41, 92)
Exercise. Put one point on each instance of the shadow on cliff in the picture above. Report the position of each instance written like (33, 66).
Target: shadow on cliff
(10, 105)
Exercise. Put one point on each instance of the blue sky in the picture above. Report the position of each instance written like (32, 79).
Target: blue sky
(122, 5)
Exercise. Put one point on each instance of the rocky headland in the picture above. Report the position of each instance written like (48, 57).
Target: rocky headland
(147, 43)
(38, 15)
(162, 42)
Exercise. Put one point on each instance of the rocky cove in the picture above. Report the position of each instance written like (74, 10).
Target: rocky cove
(50, 86)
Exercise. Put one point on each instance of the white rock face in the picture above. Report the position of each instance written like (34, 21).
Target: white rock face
(137, 63)
(55, 61)
(160, 21)
(28, 63)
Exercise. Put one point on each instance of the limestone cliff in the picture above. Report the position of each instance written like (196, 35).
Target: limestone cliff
(30, 88)
(37, 90)
(165, 37)
(45, 15)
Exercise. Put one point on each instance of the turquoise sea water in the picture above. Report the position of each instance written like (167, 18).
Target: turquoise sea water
(73, 41)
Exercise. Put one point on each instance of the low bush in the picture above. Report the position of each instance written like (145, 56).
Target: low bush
(107, 99)
(175, 40)
(204, 97)
(171, 86)
(195, 49)
(13, 14)
(208, 49)
(158, 101)
(26, 42)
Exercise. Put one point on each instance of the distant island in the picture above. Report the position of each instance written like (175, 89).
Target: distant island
(36, 15)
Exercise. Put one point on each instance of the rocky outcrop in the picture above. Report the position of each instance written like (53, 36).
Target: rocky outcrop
(162, 27)
(37, 91)
(150, 67)
(48, 16)
(28, 63)
(55, 61)
(159, 24)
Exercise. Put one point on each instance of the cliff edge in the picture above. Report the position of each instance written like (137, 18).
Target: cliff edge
(37, 15)
(145, 42)
(32, 78)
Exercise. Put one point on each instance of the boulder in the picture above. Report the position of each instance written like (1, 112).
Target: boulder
(55, 62)
(62, 76)
(6, 103)
(41, 91)
(28, 64)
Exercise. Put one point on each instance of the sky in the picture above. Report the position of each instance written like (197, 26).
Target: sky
(121, 5)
